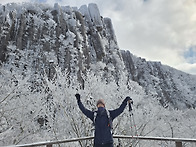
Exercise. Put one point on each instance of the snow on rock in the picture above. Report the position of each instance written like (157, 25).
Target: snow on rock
(57, 8)
(109, 27)
(85, 12)
(95, 15)
(174, 87)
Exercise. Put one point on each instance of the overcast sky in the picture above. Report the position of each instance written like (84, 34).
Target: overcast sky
(157, 30)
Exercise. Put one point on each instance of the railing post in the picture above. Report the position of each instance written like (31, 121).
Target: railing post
(178, 144)
(50, 145)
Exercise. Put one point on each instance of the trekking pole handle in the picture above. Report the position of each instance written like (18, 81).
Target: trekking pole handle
(130, 108)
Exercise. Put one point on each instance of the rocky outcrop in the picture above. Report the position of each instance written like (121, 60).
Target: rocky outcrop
(162, 82)
(77, 37)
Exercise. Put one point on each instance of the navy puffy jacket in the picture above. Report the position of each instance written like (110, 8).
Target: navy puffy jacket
(103, 133)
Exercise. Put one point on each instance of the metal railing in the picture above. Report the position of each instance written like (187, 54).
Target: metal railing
(178, 141)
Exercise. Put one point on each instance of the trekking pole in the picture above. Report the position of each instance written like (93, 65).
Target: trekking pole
(132, 121)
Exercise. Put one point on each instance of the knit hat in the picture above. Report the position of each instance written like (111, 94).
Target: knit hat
(100, 101)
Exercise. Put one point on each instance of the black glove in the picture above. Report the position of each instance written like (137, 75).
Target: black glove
(130, 102)
(129, 99)
(77, 97)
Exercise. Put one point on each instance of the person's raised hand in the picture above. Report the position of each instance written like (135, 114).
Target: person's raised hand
(128, 99)
(77, 96)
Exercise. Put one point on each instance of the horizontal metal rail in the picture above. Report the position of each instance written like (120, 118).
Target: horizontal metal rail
(49, 143)
(156, 138)
(178, 141)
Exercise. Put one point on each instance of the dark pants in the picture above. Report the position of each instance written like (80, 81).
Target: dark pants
(104, 145)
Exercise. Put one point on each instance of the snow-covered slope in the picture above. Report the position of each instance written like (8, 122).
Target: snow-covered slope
(48, 54)
(173, 87)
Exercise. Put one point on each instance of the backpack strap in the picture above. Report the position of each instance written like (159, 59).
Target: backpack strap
(110, 119)
(108, 113)
(95, 115)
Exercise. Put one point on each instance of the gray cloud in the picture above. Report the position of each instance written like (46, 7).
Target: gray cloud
(12, 1)
(157, 30)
